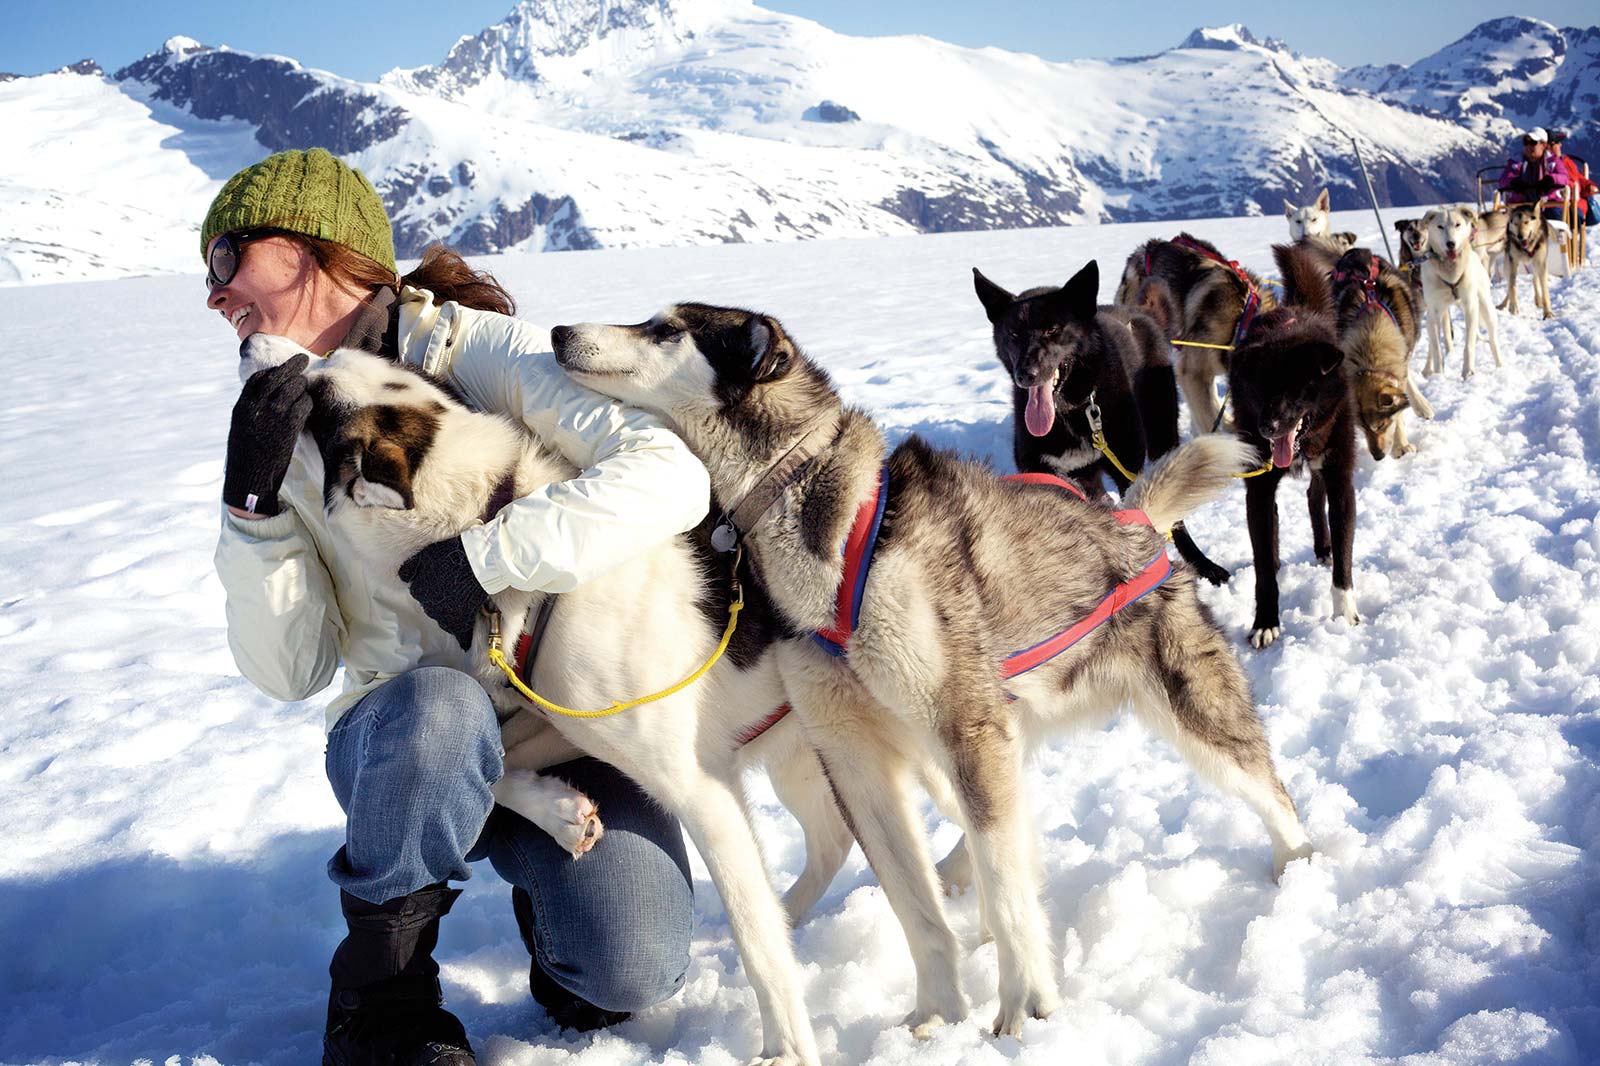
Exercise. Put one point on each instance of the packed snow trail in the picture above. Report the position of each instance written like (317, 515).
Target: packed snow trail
(162, 895)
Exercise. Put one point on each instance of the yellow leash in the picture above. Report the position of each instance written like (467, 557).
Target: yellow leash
(1204, 344)
(497, 656)
(1098, 439)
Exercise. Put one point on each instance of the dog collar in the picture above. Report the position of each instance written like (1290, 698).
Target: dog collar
(743, 516)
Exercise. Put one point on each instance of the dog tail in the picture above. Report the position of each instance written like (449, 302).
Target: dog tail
(1188, 477)
(1305, 282)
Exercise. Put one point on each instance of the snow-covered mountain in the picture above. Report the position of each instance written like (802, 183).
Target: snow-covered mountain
(624, 123)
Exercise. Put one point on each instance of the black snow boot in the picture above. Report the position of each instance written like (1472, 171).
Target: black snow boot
(385, 1009)
(565, 1008)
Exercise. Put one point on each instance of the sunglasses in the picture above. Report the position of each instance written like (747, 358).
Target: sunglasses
(222, 262)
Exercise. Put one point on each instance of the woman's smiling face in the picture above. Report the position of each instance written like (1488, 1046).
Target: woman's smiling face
(279, 288)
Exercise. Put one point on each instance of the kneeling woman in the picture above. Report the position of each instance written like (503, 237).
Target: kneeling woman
(299, 246)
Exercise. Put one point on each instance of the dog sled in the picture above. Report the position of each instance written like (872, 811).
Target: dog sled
(1575, 244)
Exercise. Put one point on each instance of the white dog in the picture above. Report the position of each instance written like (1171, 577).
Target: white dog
(1309, 221)
(1452, 273)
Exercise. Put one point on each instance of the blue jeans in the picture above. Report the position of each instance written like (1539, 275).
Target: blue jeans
(411, 765)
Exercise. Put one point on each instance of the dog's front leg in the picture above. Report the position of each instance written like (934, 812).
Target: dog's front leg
(1419, 402)
(863, 747)
(1435, 361)
(1470, 310)
(1261, 516)
(1339, 474)
(1509, 304)
(570, 817)
(1541, 288)
(1491, 323)
(1317, 504)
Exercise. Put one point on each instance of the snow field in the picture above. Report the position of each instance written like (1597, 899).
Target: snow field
(164, 825)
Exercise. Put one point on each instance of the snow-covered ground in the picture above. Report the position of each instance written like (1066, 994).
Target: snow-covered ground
(161, 887)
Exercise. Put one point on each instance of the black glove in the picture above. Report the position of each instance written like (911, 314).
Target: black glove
(1544, 186)
(267, 420)
(442, 581)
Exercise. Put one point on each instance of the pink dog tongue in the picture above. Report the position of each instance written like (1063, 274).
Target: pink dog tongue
(1283, 449)
(1041, 412)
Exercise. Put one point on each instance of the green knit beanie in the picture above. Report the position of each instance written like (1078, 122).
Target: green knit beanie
(310, 192)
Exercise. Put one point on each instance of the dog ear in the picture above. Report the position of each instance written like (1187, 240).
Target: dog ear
(1467, 215)
(1288, 210)
(769, 347)
(387, 474)
(1400, 224)
(995, 300)
(1322, 200)
(1329, 357)
(1081, 294)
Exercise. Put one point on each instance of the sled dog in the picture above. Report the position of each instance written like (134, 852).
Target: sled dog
(1378, 329)
(1216, 298)
(1291, 398)
(407, 464)
(1310, 223)
(967, 568)
(1528, 244)
(1451, 274)
(1066, 358)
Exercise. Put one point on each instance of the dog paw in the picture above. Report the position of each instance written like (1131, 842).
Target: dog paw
(1263, 636)
(582, 829)
(1213, 573)
(923, 1021)
(1037, 1004)
(570, 817)
(1325, 558)
(1281, 861)
(1400, 451)
(1344, 605)
(1423, 408)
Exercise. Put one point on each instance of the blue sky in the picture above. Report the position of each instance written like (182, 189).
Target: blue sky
(362, 40)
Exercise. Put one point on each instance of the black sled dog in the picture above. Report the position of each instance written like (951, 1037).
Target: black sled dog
(1074, 365)
(1291, 397)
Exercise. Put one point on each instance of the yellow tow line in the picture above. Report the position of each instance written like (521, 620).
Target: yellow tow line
(497, 656)
(1098, 439)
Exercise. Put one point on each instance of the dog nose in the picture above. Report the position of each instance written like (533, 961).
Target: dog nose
(561, 336)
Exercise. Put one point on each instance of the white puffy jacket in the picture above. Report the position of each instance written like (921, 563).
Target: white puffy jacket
(297, 606)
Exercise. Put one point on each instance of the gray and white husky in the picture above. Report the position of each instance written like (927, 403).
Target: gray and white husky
(968, 568)
(406, 464)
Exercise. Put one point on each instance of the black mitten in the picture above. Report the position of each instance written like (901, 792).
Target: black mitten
(267, 420)
(442, 581)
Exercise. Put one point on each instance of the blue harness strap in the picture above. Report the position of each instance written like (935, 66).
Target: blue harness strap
(863, 538)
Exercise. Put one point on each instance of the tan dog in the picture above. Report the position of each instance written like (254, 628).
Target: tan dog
(1528, 245)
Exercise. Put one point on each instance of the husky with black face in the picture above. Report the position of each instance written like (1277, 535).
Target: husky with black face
(1379, 324)
(1291, 397)
(967, 567)
(1068, 359)
(407, 464)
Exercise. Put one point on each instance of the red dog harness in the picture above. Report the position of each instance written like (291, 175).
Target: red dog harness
(1369, 287)
(1252, 300)
(857, 551)
(863, 537)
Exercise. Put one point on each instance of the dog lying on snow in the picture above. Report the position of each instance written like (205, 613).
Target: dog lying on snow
(1066, 356)
(407, 464)
(1291, 397)
(904, 673)
(1452, 273)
